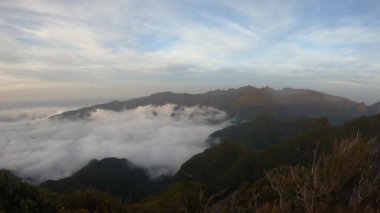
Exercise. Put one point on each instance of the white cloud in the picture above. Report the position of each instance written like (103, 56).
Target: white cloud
(158, 138)
(266, 17)
(343, 35)
(152, 42)
(61, 45)
(25, 114)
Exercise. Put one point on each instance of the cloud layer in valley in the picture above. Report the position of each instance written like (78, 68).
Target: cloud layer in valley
(28, 114)
(157, 138)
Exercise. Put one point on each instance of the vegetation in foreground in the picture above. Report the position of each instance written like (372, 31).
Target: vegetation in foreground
(18, 196)
(346, 180)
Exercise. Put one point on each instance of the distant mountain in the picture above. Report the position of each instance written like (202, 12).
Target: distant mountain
(246, 103)
(375, 108)
(120, 177)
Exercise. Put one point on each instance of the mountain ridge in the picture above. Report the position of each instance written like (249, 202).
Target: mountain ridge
(119, 176)
(228, 170)
(232, 155)
(375, 108)
(246, 103)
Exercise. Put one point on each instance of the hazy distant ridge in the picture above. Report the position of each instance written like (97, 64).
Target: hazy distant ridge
(248, 103)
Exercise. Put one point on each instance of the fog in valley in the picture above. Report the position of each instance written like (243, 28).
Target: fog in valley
(157, 138)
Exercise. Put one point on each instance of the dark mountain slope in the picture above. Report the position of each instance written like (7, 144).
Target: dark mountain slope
(17, 196)
(375, 108)
(268, 130)
(246, 103)
(228, 164)
(344, 180)
(117, 176)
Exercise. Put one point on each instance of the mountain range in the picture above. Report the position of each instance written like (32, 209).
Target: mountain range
(291, 150)
(248, 103)
(238, 163)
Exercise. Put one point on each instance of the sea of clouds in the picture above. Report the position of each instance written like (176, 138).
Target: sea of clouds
(157, 138)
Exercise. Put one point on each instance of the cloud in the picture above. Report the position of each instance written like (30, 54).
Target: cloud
(22, 114)
(343, 35)
(157, 138)
(267, 18)
(58, 46)
(153, 42)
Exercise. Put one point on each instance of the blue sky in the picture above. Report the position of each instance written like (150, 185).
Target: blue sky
(70, 49)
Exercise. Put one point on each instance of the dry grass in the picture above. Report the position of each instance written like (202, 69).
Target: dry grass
(348, 179)
(345, 180)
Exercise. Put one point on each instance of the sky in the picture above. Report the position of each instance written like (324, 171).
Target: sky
(82, 49)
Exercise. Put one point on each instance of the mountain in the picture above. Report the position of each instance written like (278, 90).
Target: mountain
(321, 168)
(246, 103)
(229, 163)
(231, 177)
(343, 180)
(225, 166)
(375, 108)
(18, 196)
(120, 177)
(267, 131)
